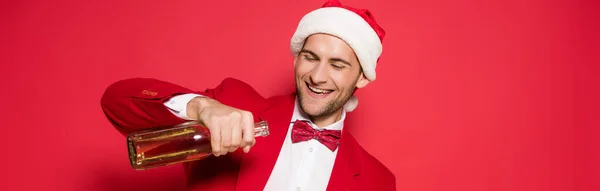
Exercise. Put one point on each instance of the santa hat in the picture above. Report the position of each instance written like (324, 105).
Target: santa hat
(356, 27)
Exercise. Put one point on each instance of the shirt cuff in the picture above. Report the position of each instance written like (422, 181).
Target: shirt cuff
(178, 104)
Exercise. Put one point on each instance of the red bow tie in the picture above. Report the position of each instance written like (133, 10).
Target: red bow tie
(302, 131)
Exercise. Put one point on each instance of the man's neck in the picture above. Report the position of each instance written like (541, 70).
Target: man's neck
(325, 121)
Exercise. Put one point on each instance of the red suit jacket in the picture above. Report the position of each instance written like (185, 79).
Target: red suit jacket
(136, 104)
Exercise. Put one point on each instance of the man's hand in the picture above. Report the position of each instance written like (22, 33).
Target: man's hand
(230, 128)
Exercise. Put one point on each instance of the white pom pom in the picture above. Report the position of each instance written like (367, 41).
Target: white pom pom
(351, 104)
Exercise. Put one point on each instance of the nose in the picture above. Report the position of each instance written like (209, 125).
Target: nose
(319, 74)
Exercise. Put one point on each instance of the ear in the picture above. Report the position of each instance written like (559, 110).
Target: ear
(362, 81)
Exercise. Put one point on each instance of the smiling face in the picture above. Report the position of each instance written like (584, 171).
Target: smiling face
(327, 72)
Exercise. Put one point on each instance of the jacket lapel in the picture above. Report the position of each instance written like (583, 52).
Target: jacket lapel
(256, 166)
(347, 164)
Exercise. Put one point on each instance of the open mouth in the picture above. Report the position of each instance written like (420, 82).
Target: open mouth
(318, 91)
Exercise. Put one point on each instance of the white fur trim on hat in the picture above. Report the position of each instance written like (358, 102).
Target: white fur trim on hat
(346, 25)
(351, 104)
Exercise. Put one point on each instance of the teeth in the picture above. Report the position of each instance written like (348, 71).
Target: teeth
(319, 90)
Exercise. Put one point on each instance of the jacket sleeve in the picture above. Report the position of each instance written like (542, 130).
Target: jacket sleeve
(138, 103)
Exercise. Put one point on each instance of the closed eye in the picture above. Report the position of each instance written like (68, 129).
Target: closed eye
(309, 58)
(338, 66)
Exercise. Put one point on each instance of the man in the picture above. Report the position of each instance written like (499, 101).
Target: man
(336, 49)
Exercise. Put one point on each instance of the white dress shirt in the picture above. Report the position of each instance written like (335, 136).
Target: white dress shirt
(300, 166)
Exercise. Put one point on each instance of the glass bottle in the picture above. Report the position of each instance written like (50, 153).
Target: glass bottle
(185, 142)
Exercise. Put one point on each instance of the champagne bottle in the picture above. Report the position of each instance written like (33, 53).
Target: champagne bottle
(185, 142)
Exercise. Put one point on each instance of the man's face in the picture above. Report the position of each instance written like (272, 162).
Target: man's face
(327, 72)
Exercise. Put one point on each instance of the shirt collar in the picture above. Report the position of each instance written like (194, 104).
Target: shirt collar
(300, 115)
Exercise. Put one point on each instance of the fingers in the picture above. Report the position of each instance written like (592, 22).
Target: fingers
(236, 133)
(230, 128)
(247, 148)
(215, 139)
(231, 132)
(225, 136)
(247, 131)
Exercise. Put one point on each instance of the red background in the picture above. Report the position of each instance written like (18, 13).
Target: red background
(470, 95)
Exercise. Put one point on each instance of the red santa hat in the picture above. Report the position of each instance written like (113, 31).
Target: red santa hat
(357, 27)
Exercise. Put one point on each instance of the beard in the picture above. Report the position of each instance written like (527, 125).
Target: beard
(330, 107)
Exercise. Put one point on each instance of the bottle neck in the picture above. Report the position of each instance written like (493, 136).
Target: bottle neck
(261, 129)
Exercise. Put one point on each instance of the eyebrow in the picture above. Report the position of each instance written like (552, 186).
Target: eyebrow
(332, 59)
